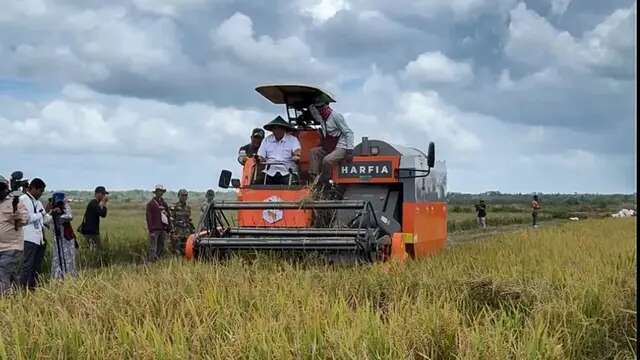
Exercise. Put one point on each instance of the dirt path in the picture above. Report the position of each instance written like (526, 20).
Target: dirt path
(460, 237)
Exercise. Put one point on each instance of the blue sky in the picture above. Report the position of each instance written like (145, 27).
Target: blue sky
(519, 96)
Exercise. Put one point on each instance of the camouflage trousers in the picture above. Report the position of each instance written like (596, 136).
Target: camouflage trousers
(9, 269)
(178, 239)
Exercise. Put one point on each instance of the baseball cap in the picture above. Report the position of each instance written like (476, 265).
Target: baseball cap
(257, 132)
(101, 190)
(159, 187)
(58, 196)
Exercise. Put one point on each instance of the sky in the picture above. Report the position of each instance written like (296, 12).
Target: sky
(518, 96)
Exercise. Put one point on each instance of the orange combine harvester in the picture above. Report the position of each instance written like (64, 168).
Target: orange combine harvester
(388, 202)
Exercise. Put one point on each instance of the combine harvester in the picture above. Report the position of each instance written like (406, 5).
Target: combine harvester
(388, 203)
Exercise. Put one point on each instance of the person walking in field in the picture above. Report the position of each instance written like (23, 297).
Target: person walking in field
(96, 209)
(63, 251)
(535, 207)
(13, 216)
(181, 223)
(481, 213)
(158, 223)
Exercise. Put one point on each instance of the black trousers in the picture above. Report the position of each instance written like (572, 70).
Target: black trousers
(279, 179)
(32, 258)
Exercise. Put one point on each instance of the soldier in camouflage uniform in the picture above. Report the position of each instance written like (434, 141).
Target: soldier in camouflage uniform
(182, 226)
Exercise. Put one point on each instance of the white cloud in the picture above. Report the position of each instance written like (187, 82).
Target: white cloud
(460, 10)
(558, 7)
(290, 53)
(609, 47)
(81, 121)
(435, 67)
(323, 10)
(167, 7)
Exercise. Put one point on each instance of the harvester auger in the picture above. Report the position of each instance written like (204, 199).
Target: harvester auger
(387, 202)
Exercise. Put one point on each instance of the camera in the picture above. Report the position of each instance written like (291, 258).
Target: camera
(17, 183)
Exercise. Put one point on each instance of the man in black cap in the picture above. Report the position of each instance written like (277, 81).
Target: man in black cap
(280, 153)
(96, 209)
(251, 148)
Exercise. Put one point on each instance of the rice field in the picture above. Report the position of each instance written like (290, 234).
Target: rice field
(557, 292)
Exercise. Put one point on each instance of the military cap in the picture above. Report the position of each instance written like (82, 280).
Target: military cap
(182, 192)
(257, 132)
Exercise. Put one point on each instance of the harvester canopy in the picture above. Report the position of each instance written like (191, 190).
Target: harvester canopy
(292, 95)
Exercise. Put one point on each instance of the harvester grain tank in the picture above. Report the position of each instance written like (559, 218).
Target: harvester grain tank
(388, 201)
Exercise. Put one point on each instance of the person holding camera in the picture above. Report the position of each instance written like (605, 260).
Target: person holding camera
(34, 243)
(96, 209)
(63, 259)
(13, 216)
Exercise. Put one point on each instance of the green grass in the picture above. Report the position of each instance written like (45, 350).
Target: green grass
(557, 292)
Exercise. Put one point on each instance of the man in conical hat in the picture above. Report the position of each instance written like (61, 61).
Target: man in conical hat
(280, 152)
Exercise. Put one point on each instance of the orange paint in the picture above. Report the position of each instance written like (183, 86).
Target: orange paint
(289, 218)
(398, 251)
(309, 139)
(428, 223)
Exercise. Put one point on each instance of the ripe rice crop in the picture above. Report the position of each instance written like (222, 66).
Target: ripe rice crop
(557, 292)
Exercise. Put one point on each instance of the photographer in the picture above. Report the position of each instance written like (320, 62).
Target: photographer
(13, 216)
(96, 209)
(34, 244)
(63, 261)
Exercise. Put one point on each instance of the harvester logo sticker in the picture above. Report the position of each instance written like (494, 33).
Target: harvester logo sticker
(272, 216)
(366, 169)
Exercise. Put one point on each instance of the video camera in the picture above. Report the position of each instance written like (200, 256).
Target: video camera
(57, 200)
(17, 183)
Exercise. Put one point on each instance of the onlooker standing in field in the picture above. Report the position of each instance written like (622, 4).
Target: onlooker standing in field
(181, 224)
(34, 244)
(535, 207)
(13, 216)
(63, 259)
(157, 223)
(209, 197)
(481, 212)
(97, 208)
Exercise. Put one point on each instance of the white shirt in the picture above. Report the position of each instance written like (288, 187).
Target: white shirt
(278, 155)
(37, 219)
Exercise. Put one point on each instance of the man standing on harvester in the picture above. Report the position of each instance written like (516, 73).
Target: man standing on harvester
(337, 140)
(181, 224)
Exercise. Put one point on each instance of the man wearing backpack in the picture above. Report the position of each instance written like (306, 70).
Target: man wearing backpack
(96, 209)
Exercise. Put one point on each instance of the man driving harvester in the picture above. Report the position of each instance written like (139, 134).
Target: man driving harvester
(280, 152)
(337, 140)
